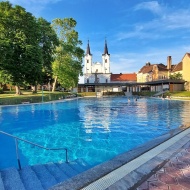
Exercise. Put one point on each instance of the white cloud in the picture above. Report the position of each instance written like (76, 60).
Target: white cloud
(138, 34)
(177, 19)
(164, 25)
(124, 63)
(152, 6)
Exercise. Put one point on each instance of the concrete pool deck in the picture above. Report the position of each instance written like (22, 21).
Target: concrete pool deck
(163, 163)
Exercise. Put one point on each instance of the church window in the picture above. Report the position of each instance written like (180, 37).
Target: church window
(105, 60)
(87, 61)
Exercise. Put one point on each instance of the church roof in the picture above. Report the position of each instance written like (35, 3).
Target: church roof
(88, 49)
(124, 77)
(105, 49)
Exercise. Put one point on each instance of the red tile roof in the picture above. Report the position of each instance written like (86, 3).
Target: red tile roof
(177, 67)
(124, 77)
(146, 69)
(149, 68)
(162, 67)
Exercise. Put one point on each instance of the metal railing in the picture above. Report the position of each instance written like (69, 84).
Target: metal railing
(37, 145)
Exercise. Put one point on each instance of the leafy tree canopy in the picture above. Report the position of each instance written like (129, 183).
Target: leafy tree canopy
(48, 43)
(176, 76)
(68, 58)
(27, 45)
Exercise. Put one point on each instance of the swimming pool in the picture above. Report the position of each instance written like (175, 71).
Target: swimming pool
(95, 129)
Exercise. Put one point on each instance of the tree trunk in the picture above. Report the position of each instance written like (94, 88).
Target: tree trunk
(54, 84)
(18, 92)
(34, 89)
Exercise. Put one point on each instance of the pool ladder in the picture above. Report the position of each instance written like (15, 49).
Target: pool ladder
(34, 144)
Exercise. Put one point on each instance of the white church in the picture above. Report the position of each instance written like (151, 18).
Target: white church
(98, 77)
(97, 72)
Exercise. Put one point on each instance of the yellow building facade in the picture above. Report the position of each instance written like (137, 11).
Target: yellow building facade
(186, 70)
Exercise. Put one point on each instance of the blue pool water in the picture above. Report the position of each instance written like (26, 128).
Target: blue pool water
(94, 130)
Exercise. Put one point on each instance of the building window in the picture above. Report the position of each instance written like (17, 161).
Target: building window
(87, 61)
(106, 80)
(87, 80)
(105, 60)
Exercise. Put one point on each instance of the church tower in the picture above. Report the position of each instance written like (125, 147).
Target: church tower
(106, 59)
(88, 60)
(97, 72)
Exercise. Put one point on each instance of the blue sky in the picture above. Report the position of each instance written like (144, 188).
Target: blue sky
(137, 31)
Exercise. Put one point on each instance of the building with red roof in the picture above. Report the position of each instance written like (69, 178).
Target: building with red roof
(151, 77)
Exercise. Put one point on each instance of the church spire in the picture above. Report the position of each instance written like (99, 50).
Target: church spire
(105, 49)
(88, 49)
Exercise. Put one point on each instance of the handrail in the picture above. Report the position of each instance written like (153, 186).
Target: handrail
(29, 142)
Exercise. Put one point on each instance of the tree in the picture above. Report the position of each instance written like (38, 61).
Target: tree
(48, 42)
(27, 45)
(68, 58)
(176, 76)
(19, 45)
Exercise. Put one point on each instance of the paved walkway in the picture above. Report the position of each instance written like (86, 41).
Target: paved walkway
(174, 175)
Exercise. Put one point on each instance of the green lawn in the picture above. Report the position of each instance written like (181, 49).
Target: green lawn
(181, 94)
(9, 97)
(174, 94)
(184, 95)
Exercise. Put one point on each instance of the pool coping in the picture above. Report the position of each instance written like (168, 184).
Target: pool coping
(83, 180)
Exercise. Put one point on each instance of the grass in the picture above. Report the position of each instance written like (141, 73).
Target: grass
(9, 97)
(184, 95)
(173, 94)
(180, 94)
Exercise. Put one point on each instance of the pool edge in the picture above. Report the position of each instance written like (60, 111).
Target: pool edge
(99, 171)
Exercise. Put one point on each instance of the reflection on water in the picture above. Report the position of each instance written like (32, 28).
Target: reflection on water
(93, 129)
